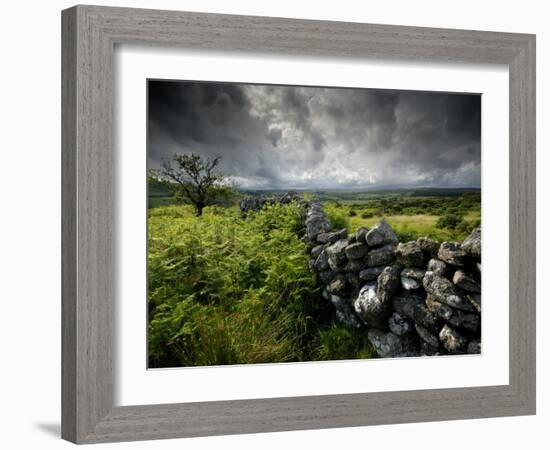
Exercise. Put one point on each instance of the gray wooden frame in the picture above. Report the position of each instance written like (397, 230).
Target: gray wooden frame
(89, 36)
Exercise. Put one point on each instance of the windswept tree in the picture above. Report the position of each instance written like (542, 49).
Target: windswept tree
(194, 179)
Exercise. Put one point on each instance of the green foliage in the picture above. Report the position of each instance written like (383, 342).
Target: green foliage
(223, 290)
(449, 220)
(339, 342)
(337, 214)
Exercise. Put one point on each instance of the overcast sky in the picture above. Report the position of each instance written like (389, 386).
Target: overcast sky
(282, 137)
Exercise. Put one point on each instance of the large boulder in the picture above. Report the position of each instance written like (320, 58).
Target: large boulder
(336, 254)
(463, 281)
(381, 234)
(472, 244)
(410, 254)
(452, 340)
(381, 256)
(356, 251)
(445, 291)
(451, 253)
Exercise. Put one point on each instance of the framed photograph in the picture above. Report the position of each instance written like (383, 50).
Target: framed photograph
(277, 224)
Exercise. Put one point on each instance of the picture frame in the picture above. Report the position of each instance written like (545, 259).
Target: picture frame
(90, 34)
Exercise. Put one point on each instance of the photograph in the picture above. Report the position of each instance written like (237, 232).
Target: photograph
(290, 224)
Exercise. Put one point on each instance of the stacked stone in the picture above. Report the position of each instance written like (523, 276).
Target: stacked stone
(255, 203)
(414, 298)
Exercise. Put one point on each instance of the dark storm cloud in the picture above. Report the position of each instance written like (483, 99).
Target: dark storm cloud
(301, 137)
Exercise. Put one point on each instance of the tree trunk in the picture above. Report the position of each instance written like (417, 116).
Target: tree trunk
(198, 209)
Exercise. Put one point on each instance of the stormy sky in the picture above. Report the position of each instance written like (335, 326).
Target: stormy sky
(283, 137)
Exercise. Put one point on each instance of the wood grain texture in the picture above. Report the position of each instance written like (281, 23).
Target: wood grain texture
(89, 36)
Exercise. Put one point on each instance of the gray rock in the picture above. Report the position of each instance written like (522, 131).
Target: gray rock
(369, 307)
(316, 251)
(465, 282)
(452, 340)
(410, 254)
(381, 256)
(353, 279)
(474, 347)
(400, 325)
(405, 302)
(438, 267)
(354, 265)
(472, 244)
(321, 263)
(326, 276)
(444, 291)
(387, 345)
(388, 283)
(454, 317)
(409, 284)
(339, 286)
(475, 301)
(336, 254)
(344, 312)
(381, 234)
(427, 336)
(428, 245)
(356, 251)
(361, 233)
(332, 236)
(414, 273)
(371, 273)
(429, 350)
(451, 253)
(315, 224)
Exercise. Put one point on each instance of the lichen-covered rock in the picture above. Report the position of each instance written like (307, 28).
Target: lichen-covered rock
(369, 307)
(472, 244)
(336, 254)
(438, 267)
(445, 291)
(465, 282)
(452, 253)
(388, 283)
(381, 256)
(344, 312)
(387, 345)
(427, 336)
(409, 284)
(321, 263)
(381, 234)
(339, 286)
(454, 317)
(474, 347)
(400, 325)
(315, 224)
(360, 234)
(354, 265)
(371, 273)
(356, 251)
(332, 236)
(452, 340)
(428, 245)
(411, 278)
(410, 254)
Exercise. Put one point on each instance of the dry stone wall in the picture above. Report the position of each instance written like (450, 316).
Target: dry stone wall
(411, 298)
